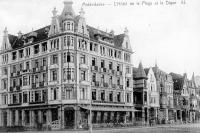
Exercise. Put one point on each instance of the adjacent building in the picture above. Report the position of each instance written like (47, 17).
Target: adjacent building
(165, 86)
(153, 95)
(57, 74)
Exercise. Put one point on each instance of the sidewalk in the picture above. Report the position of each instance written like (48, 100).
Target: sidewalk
(125, 129)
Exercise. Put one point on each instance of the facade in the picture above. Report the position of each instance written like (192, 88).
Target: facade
(57, 74)
(153, 95)
(140, 94)
(181, 97)
(165, 86)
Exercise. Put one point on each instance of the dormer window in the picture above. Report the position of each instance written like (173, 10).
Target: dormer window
(68, 26)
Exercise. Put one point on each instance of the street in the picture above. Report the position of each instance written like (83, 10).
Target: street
(184, 128)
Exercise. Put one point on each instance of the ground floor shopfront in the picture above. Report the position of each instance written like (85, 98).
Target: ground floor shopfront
(65, 116)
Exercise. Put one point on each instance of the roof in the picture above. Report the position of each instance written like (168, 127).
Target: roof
(39, 35)
(42, 34)
(178, 81)
(140, 72)
(146, 70)
(118, 40)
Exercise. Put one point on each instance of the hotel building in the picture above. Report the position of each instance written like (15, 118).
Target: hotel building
(56, 74)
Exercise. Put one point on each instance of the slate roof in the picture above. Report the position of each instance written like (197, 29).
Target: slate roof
(118, 40)
(16, 42)
(146, 70)
(140, 72)
(178, 81)
(42, 34)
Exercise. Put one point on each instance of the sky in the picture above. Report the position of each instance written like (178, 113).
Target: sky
(166, 34)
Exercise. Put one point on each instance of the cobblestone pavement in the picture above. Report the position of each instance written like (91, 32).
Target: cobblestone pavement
(183, 128)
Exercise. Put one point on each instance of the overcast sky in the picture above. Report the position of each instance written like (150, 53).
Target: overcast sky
(168, 34)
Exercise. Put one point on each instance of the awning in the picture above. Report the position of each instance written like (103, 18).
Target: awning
(121, 109)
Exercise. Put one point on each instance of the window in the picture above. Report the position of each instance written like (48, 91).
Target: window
(102, 95)
(21, 66)
(25, 80)
(83, 75)
(54, 75)
(118, 80)
(70, 57)
(128, 69)
(102, 63)
(14, 69)
(94, 95)
(4, 70)
(118, 97)
(111, 96)
(68, 25)
(110, 65)
(36, 49)
(55, 44)
(118, 67)
(128, 97)
(44, 61)
(21, 54)
(4, 83)
(110, 80)
(54, 59)
(83, 93)
(28, 51)
(36, 63)
(25, 97)
(14, 55)
(145, 96)
(68, 40)
(94, 77)
(54, 93)
(68, 92)
(27, 65)
(44, 46)
(102, 78)
(44, 77)
(128, 83)
(93, 61)
(82, 59)
(68, 73)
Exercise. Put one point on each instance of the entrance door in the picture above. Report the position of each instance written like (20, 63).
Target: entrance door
(69, 118)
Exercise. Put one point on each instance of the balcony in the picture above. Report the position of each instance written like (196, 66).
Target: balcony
(38, 102)
(82, 65)
(119, 73)
(94, 68)
(43, 68)
(120, 87)
(102, 70)
(96, 84)
(14, 104)
(104, 101)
